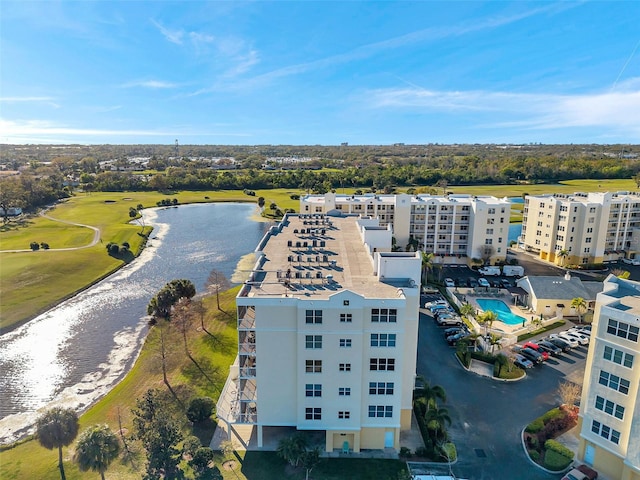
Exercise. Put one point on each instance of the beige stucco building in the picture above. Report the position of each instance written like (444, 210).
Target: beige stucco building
(586, 227)
(610, 406)
(455, 228)
(327, 334)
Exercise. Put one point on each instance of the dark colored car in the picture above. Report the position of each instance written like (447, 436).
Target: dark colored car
(521, 361)
(472, 282)
(550, 348)
(560, 343)
(453, 339)
(532, 355)
(504, 283)
(453, 330)
(536, 347)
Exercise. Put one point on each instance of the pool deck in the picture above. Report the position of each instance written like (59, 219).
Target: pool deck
(472, 297)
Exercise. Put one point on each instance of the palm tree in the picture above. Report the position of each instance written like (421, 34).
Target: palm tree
(430, 394)
(563, 254)
(467, 310)
(436, 420)
(292, 449)
(57, 428)
(501, 361)
(580, 306)
(427, 263)
(488, 317)
(97, 447)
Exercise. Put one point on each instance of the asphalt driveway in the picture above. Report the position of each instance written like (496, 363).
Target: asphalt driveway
(487, 415)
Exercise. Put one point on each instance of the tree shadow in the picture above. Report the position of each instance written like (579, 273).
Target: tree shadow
(12, 225)
(221, 343)
(203, 373)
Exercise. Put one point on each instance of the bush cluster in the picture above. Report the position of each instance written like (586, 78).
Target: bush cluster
(556, 461)
(166, 202)
(251, 193)
(37, 246)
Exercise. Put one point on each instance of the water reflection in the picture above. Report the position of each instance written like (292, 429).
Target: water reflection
(75, 352)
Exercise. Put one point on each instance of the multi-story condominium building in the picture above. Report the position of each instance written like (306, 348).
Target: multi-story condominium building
(610, 406)
(327, 333)
(455, 228)
(582, 227)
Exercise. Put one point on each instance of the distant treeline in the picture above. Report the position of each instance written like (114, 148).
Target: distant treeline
(375, 168)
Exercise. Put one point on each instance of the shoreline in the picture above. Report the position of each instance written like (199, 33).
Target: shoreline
(18, 427)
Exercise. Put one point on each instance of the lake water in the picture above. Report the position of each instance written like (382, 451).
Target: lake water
(74, 353)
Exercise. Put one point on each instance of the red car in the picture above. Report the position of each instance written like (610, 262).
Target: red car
(581, 473)
(534, 346)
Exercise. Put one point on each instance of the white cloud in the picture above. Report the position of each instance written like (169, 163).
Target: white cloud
(157, 84)
(46, 100)
(173, 36)
(613, 109)
(43, 131)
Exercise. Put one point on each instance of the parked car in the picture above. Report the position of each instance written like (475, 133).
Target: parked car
(436, 302)
(581, 472)
(563, 336)
(448, 312)
(581, 339)
(472, 282)
(522, 362)
(513, 270)
(448, 282)
(439, 306)
(453, 330)
(489, 271)
(453, 339)
(560, 343)
(631, 261)
(581, 331)
(483, 282)
(536, 347)
(504, 283)
(550, 348)
(532, 355)
(449, 320)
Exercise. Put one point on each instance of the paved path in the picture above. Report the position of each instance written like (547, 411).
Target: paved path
(96, 237)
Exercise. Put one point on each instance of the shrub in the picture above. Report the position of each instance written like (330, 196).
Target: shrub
(556, 461)
(191, 445)
(44, 245)
(421, 452)
(535, 455)
(294, 196)
(200, 408)
(449, 452)
(405, 452)
(34, 246)
(551, 414)
(484, 356)
(114, 249)
(464, 358)
(555, 446)
(536, 426)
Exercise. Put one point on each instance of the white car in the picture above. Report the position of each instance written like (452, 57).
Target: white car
(483, 282)
(582, 339)
(448, 282)
(567, 338)
(631, 261)
(436, 302)
(581, 331)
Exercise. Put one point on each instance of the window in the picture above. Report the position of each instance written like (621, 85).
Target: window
(489, 231)
(380, 411)
(346, 317)
(490, 221)
(345, 367)
(313, 366)
(344, 391)
(313, 413)
(313, 316)
(605, 431)
(344, 415)
(617, 356)
(491, 211)
(587, 240)
(383, 339)
(609, 407)
(345, 342)
(623, 330)
(614, 382)
(313, 341)
(384, 315)
(381, 388)
(313, 390)
(488, 241)
(382, 364)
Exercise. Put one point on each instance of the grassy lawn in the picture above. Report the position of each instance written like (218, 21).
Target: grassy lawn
(214, 352)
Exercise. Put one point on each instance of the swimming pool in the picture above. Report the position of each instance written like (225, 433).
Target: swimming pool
(502, 311)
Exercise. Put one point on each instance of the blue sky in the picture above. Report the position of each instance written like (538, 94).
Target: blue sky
(319, 72)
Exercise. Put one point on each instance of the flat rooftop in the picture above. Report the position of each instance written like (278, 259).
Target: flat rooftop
(315, 256)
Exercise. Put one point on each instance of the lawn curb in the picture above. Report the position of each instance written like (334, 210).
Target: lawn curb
(526, 453)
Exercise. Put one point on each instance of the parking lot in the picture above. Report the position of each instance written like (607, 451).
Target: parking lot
(488, 415)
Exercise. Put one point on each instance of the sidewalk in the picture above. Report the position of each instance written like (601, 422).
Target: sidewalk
(481, 368)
